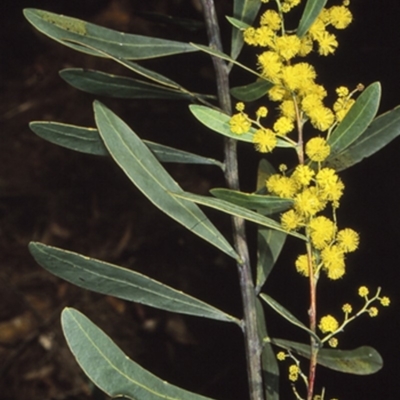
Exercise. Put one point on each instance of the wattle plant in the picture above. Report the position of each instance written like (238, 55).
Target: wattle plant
(301, 200)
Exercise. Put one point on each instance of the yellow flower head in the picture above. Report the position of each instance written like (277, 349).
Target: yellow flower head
(322, 231)
(278, 93)
(340, 17)
(333, 262)
(348, 240)
(363, 291)
(330, 186)
(283, 126)
(347, 308)
(333, 342)
(306, 46)
(287, 5)
(317, 149)
(342, 107)
(282, 186)
(288, 109)
(298, 76)
(281, 356)
(373, 312)
(308, 203)
(287, 46)
(271, 65)
(291, 221)
(385, 301)
(342, 91)
(328, 324)
(302, 266)
(239, 106)
(271, 19)
(327, 43)
(264, 140)
(249, 36)
(264, 36)
(239, 123)
(303, 174)
(262, 112)
(294, 372)
(321, 117)
(311, 102)
(317, 29)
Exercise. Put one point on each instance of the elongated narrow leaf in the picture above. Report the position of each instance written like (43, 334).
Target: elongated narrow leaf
(311, 11)
(119, 44)
(251, 92)
(144, 170)
(219, 122)
(264, 204)
(285, 313)
(106, 365)
(105, 278)
(245, 11)
(269, 246)
(268, 358)
(235, 210)
(382, 131)
(363, 360)
(356, 120)
(122, 87)
(88, 140)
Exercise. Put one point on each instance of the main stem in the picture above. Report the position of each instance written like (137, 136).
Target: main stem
(252, 339)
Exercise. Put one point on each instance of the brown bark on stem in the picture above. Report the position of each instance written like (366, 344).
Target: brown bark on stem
(252, 339)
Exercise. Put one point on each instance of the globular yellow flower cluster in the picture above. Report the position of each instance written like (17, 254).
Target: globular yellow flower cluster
(328, 324)
(312, 191)
(294, 371)
(294, 86)
(294, 82)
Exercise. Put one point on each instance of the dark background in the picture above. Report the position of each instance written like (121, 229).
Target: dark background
(86, 204)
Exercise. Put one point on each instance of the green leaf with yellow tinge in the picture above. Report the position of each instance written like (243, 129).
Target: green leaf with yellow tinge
(109, 368)
(72, 31)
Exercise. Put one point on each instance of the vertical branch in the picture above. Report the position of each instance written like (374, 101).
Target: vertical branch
(252, 339)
